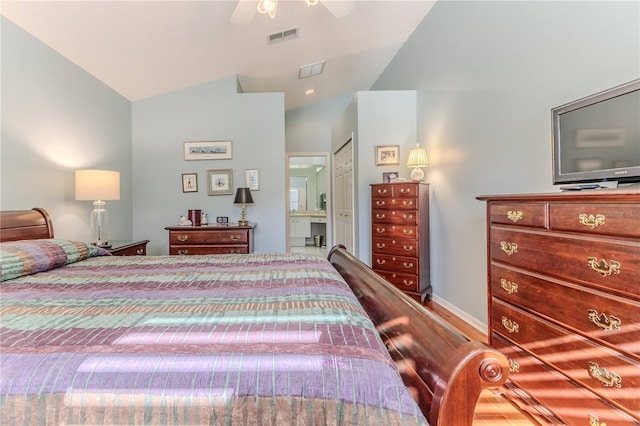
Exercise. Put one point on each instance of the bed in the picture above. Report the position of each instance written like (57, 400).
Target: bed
(90, 338)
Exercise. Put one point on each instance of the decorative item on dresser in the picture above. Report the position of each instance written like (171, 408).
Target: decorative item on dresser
(400, 236)
(128, 247)
(564, 300)
(212, 239)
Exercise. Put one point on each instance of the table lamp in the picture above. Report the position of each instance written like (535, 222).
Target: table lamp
(417, 159)
(98, 185)
(243, 196)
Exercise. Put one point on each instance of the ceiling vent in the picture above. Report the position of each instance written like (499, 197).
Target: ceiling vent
(282, 36)
(310, 70)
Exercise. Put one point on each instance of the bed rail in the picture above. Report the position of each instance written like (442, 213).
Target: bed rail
(444, 371)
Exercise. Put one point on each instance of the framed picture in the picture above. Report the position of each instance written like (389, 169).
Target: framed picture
(220, 182)
(387, 155)
(189, 182)
(390, 177)
(252, 177)
(216, 150)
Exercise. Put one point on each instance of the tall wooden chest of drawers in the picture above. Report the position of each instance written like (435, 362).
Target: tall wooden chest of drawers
(212, 239)
(564, 301)
(400, 236)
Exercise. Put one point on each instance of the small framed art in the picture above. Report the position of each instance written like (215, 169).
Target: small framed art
(189, 182)
(252, 177)
(390, 177)
(387, 155)
(214, 150)
(220, 182)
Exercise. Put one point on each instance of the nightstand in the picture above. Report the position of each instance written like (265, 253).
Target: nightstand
(128, 247)
(210, 239)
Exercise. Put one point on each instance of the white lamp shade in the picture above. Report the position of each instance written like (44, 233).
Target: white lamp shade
(417, 158)
(97, 185)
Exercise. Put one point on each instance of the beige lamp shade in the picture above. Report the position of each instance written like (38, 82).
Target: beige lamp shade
(97, 185)
(417, 158)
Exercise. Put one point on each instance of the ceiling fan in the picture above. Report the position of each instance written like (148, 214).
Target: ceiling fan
(246, 9)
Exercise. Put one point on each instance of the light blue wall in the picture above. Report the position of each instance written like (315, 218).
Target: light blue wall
(487, 75)
(56, 118)
(214, 111)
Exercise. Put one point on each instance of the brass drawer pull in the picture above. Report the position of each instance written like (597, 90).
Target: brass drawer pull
(508, 286)
(511, 326)
(380, 216)
(602, 321)
(591, 221)
(407, 231)
(604, 268)
(514, 216)
(381, 245)
(608, 379)
(234, 237)
(509, 248)
(382, 191)
(595, 421)
(381, 230)
(407, 283)
(183, 238)
(234, 251)
(407, 248)
(407, 216)
(140, 252)
(514, 367)
(381, 261)
(407, 265)
(405, 190)
(380, 203)
(407, 203)
(183, 252)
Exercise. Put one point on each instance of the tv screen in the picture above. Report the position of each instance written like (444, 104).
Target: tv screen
(597, 138)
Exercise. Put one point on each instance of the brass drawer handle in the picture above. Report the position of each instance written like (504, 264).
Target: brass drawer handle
(591, 221)
(381, 245)
(234, 237)
(604, 268)
(234, 251)
(380, 203)
(405, 190)
(380, 216)
(608, 379)
(602, 321)
(514, 367)
(407, 248)
(381, 230)
(407, 203)
(407, 231)
(382, 191)
(511, 326)
(407, 265)
(407, 283)
(595, 421)
(407, 216)
(509, 248)
(508, 286)
(183, 252)
(514, 216)
(183, 238)
(381, 261)
(140, 252)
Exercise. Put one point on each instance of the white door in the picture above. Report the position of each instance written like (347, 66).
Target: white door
(343, 196)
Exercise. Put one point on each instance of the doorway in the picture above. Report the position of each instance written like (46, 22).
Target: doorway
(308, 202)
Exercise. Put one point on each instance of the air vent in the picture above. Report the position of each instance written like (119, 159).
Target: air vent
(282, 36)
(310, 70)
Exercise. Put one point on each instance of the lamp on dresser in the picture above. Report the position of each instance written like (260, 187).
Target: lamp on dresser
(99, 186)
(243, 196)
(417, 159)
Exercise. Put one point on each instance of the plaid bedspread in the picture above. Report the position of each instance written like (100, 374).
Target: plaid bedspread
(228, 339)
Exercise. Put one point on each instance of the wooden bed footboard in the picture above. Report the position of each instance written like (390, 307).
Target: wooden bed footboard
(444, 371)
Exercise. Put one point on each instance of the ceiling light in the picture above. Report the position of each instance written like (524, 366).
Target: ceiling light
(269, 7)
(310, 70)
(311, 2)
(309, 92)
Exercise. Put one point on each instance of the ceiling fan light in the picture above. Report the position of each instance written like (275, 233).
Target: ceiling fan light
(268, 6)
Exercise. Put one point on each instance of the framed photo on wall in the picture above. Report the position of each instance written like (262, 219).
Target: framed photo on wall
(214, 150)
(387, 155)
(220, 182)
(189, 182)
(252, 177)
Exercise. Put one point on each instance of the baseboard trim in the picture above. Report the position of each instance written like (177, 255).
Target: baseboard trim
(472, 321)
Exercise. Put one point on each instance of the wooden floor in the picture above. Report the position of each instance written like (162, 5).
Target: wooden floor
(494, 407)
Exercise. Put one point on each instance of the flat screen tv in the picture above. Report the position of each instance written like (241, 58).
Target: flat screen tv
(597, 138)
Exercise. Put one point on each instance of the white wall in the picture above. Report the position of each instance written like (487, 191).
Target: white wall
(487, 76)
(213, 111)
(57, 118)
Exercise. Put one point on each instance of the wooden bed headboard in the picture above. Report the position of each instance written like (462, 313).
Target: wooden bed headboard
(25, 225)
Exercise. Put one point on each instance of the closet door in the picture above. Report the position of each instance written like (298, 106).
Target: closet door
(343, 196)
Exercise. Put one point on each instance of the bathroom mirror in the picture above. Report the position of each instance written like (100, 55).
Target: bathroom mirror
(307, 183)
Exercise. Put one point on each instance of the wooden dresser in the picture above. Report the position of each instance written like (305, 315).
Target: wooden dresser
(128, 247)
(400, 236)
(564, 301)
(212, 239)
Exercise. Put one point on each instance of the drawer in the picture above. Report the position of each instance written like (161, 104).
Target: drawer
(399, 190)
(573, 405)
(603, 371)
(597, 219)
(402, 264)
(395, 203)
(401, 247)
(521, 214)
(398, 217)
(603, 263)
(606, 318)
(404, 282)
(137, 250)
(213, 237)
(195, 249)
(408, 232)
